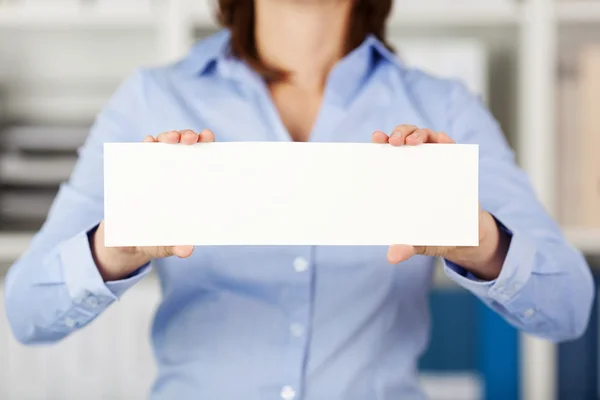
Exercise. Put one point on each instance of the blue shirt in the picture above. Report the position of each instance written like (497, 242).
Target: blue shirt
(300, 322)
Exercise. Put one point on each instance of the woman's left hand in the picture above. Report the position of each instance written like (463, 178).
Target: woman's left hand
(484, 261)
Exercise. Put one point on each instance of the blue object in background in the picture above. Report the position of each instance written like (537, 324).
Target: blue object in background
(453, 332)
(468, 337)
(497, 355)
(578, 362)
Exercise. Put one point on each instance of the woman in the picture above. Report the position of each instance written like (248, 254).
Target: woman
(296, 322)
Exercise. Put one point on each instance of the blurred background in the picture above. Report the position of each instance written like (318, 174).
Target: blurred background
(535, 62)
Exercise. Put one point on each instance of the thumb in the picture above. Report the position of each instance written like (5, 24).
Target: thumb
(400, 252)
(168, 251)
(182, 251)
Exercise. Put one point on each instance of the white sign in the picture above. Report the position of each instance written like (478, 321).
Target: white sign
(284, 193)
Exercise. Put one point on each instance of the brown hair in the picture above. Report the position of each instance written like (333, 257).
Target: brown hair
(368, 17)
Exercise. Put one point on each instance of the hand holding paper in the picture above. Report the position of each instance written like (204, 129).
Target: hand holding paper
(485, 260)
(117, 262)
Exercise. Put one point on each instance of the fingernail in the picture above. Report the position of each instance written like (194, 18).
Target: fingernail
(415, 135)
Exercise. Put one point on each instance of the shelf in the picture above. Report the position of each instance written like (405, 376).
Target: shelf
(203, 16)
(34, 138)
(13, 244)
(578, 11)
(586, 240)
(31, 170)
(456, 16)
(448, 386)
(13, 17)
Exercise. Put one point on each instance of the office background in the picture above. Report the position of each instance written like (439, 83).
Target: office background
(535, 62)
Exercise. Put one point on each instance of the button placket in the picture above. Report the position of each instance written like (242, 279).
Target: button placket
(298, 299)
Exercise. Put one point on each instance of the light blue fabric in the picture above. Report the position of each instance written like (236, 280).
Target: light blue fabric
(294, 322)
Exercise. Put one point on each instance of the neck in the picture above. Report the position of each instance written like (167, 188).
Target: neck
(303, 37)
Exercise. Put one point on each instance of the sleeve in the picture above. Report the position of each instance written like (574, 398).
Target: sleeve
(545, 287)
(55, 287)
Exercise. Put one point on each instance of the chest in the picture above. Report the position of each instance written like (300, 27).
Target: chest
(282, 273)
(297, 108)
(237, 113)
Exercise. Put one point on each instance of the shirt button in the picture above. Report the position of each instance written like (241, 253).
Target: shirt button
(92, 302)
(287, 393)
(529, 312)
(300, 264)
(297, 329)
(70, 322)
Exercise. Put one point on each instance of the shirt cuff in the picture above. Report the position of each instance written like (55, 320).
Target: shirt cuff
(118, 288)
(83, 280)
(514, 274)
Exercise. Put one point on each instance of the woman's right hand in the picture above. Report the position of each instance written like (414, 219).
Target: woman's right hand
(116, 263)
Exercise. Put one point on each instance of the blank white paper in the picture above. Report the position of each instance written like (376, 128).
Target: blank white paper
(284, 193)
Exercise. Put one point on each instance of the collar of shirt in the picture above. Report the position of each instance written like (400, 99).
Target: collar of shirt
(213, 56)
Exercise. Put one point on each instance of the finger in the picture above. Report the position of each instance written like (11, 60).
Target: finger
(398, 136)
(188, 136)
(206, 136)
(380, 137)
(149, 139)
(427, 136)
(167, 251)
(419, 136)
(445, 138)
(183, 251)
(400, 252)
(169, 137)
